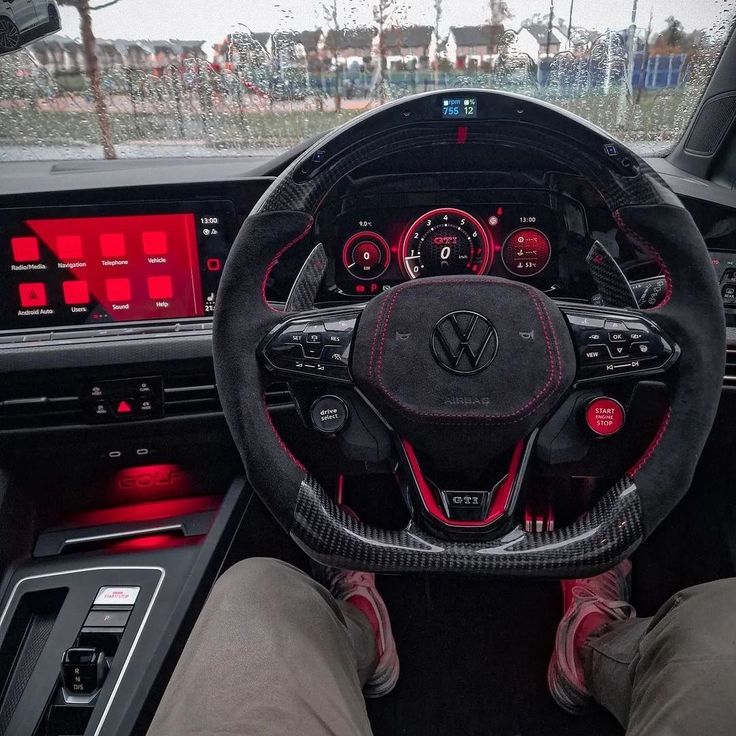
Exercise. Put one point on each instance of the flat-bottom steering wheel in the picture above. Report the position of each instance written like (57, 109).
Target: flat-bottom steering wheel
(512, 351)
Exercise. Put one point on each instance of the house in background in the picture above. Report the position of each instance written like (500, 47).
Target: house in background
(522, 42)
(352, 48)
(550, 41)
(471, 47)
(407, 47)
(313, 43)
(58, 54)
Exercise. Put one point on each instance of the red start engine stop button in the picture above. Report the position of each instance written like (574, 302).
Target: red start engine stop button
(604, 416)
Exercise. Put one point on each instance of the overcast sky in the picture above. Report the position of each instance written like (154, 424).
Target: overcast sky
(211, 20)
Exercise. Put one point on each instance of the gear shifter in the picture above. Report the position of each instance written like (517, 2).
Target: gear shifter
(83, 670)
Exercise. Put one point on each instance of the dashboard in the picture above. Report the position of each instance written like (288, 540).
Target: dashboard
(109, 291)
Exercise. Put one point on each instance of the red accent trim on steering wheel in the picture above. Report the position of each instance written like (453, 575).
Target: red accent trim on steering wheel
(499, 502)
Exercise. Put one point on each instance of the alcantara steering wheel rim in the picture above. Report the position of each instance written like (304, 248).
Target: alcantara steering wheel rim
(689, 321)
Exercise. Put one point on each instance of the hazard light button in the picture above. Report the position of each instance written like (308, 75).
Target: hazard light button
(604, 416)
(124, 407)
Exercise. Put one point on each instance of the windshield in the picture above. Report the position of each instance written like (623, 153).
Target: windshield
(136, 78)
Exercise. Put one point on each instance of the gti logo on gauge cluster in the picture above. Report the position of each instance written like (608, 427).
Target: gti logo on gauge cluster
(464, 342)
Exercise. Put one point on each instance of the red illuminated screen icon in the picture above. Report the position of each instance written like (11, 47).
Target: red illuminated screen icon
(76, 292)
(112, 245)
(155, 243)
(160, 287)
(25, 249)
(69, 247)
(118, 290)
(32, 295)
(140, 287)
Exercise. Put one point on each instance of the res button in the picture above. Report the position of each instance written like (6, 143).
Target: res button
(604, 416)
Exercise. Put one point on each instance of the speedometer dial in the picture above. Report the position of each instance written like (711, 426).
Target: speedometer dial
(443, 242)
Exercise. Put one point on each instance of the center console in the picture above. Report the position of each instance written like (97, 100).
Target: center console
(90, 631)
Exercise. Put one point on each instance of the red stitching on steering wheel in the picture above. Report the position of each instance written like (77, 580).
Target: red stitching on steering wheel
(276, 258)
(646, 457)
(555, 364)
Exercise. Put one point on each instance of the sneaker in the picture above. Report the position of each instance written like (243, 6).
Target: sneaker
(359, 589)
(589, 603)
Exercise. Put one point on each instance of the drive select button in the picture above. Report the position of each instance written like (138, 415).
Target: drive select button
(329, 414)
(604, 416)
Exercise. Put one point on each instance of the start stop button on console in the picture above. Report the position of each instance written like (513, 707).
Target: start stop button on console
(604, 416)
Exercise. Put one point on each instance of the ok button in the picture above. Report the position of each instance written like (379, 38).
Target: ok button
(616, 336)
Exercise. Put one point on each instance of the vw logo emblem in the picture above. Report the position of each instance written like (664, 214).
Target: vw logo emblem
(464, 342)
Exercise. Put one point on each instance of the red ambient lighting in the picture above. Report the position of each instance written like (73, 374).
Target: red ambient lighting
(152, 542)
(150, 511)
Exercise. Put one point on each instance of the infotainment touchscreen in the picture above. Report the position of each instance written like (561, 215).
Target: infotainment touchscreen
(88, 265)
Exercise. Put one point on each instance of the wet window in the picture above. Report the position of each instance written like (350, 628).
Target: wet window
(134, 78)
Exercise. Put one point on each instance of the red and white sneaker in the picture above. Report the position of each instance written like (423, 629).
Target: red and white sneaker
(589, 603)
(359, 589)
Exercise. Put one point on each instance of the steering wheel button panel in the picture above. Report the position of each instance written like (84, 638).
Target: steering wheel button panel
(632, 345)
(605, 416)
(315, 346)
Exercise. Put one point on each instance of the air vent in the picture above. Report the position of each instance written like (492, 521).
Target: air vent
(197, 394)
(729, 379)
(40, 411)
(190, 394)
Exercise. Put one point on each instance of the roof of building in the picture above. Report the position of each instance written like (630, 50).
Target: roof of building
(407, 36)
(350, 38)
(485, 35)
(310, 39)
(262, 37)
(539, 31)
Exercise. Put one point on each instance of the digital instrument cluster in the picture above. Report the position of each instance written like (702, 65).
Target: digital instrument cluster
(383, 246)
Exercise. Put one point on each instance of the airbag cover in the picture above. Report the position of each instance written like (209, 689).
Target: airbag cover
(484, 354)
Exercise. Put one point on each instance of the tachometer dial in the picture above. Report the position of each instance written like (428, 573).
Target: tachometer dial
(526, 252)
(443, 242)
(366, 255)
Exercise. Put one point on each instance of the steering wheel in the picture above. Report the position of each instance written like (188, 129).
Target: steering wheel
(467, 370)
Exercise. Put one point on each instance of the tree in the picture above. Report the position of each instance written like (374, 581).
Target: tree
(382, 12)
(437, 20)
(536, 19)
(499, 12)
(92, 69)
(334, 36)
(673, 34)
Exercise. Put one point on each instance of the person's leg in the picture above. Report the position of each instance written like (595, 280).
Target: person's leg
(272, 653)
(673, 673)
